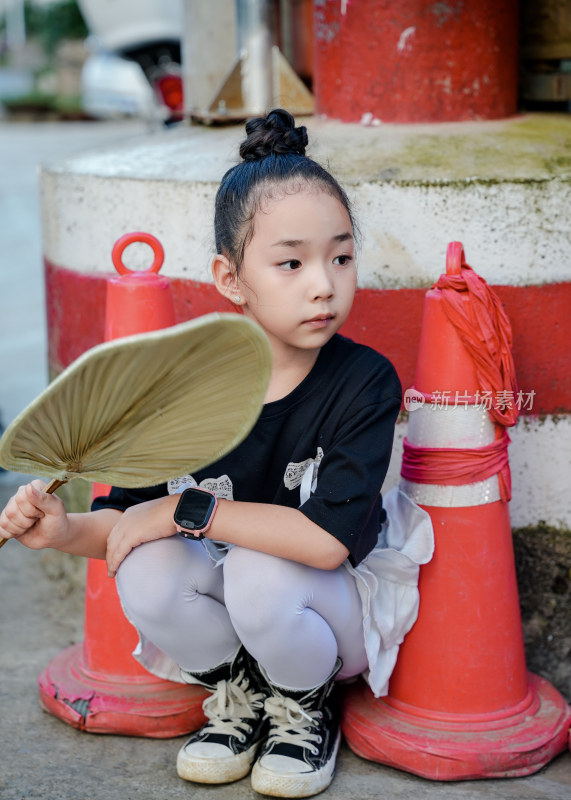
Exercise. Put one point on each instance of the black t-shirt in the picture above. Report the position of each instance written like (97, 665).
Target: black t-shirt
(339, 422)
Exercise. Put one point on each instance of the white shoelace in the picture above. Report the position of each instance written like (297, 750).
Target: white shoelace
(231, 703)
(291, 723)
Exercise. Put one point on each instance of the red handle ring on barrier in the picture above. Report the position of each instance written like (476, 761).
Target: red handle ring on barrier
(129, 238)
(455, 258)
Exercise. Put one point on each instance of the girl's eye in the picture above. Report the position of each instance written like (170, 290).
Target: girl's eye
(342, 261)
(293, 264)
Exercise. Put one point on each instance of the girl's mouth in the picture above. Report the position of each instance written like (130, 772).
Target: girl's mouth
(320, 321)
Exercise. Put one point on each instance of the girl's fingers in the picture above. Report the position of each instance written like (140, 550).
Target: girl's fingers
(33, 503)
(20, 513)
(138, 524)
(117, 548)
(114, 560)
(29, 506)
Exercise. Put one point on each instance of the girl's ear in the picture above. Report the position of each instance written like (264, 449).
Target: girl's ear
(226, 280)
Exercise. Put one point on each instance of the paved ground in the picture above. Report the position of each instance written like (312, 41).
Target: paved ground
(41, 610)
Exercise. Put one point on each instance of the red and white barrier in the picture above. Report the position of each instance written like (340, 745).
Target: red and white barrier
(166, 185)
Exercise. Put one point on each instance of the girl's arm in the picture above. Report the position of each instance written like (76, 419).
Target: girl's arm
(39, 520)
(277, 530)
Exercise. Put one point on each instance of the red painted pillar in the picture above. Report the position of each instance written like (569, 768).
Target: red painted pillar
(415, 60)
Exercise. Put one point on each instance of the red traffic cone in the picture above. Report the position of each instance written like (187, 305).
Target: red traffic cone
(97, 686)
(461, 703)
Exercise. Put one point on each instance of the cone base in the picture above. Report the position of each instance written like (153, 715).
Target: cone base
(457, 749)
(117, 704)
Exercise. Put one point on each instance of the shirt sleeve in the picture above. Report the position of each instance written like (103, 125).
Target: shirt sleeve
(347, 501)
(121, 499)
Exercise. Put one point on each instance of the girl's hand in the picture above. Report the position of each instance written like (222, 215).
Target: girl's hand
(143, 522)
(35, 518)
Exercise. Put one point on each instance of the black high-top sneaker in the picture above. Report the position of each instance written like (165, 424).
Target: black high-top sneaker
(224, 749)
(298, 758)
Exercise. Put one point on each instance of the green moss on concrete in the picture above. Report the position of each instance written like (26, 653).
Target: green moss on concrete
(533, 147)
(528, 148)
(543, 564)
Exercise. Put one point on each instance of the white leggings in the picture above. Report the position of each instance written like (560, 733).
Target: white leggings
(294, 619)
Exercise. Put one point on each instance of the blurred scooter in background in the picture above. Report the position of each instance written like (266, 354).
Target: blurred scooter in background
(135, 62)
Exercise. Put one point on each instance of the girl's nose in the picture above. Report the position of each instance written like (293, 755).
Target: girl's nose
(322, 286)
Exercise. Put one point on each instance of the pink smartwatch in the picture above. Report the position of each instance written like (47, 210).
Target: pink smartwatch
(195, 512)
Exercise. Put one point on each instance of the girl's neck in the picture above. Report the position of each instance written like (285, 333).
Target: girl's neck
(289, 369)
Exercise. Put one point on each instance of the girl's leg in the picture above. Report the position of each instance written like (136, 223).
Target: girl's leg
(299, 623)
(294, 619)
(174, 595)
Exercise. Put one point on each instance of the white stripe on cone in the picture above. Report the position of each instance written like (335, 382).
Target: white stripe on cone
(459, 427)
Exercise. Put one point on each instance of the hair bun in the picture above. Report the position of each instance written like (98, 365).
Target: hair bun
(274, 134)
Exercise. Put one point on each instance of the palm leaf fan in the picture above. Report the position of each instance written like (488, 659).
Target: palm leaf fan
(141, 410)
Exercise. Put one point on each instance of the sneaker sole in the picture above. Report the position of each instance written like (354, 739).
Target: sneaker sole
(303, 784)
(215, 770)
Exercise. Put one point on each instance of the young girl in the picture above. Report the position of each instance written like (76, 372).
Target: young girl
(259, 599)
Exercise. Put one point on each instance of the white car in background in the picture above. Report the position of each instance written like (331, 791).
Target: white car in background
(134, 65)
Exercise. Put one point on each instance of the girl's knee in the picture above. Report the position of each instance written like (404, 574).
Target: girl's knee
(152, 575)
(250, 572)
(244, 576)
(258, 587)
(138, 583)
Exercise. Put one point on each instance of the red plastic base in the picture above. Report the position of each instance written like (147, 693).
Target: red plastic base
(456, 747)
(111, 704)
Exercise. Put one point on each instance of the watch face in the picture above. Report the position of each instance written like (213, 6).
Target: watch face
(194, 509)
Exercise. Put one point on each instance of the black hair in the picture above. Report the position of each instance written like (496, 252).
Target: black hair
(273, 155)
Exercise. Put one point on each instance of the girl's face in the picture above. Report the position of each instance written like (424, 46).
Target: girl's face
(298, 276)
